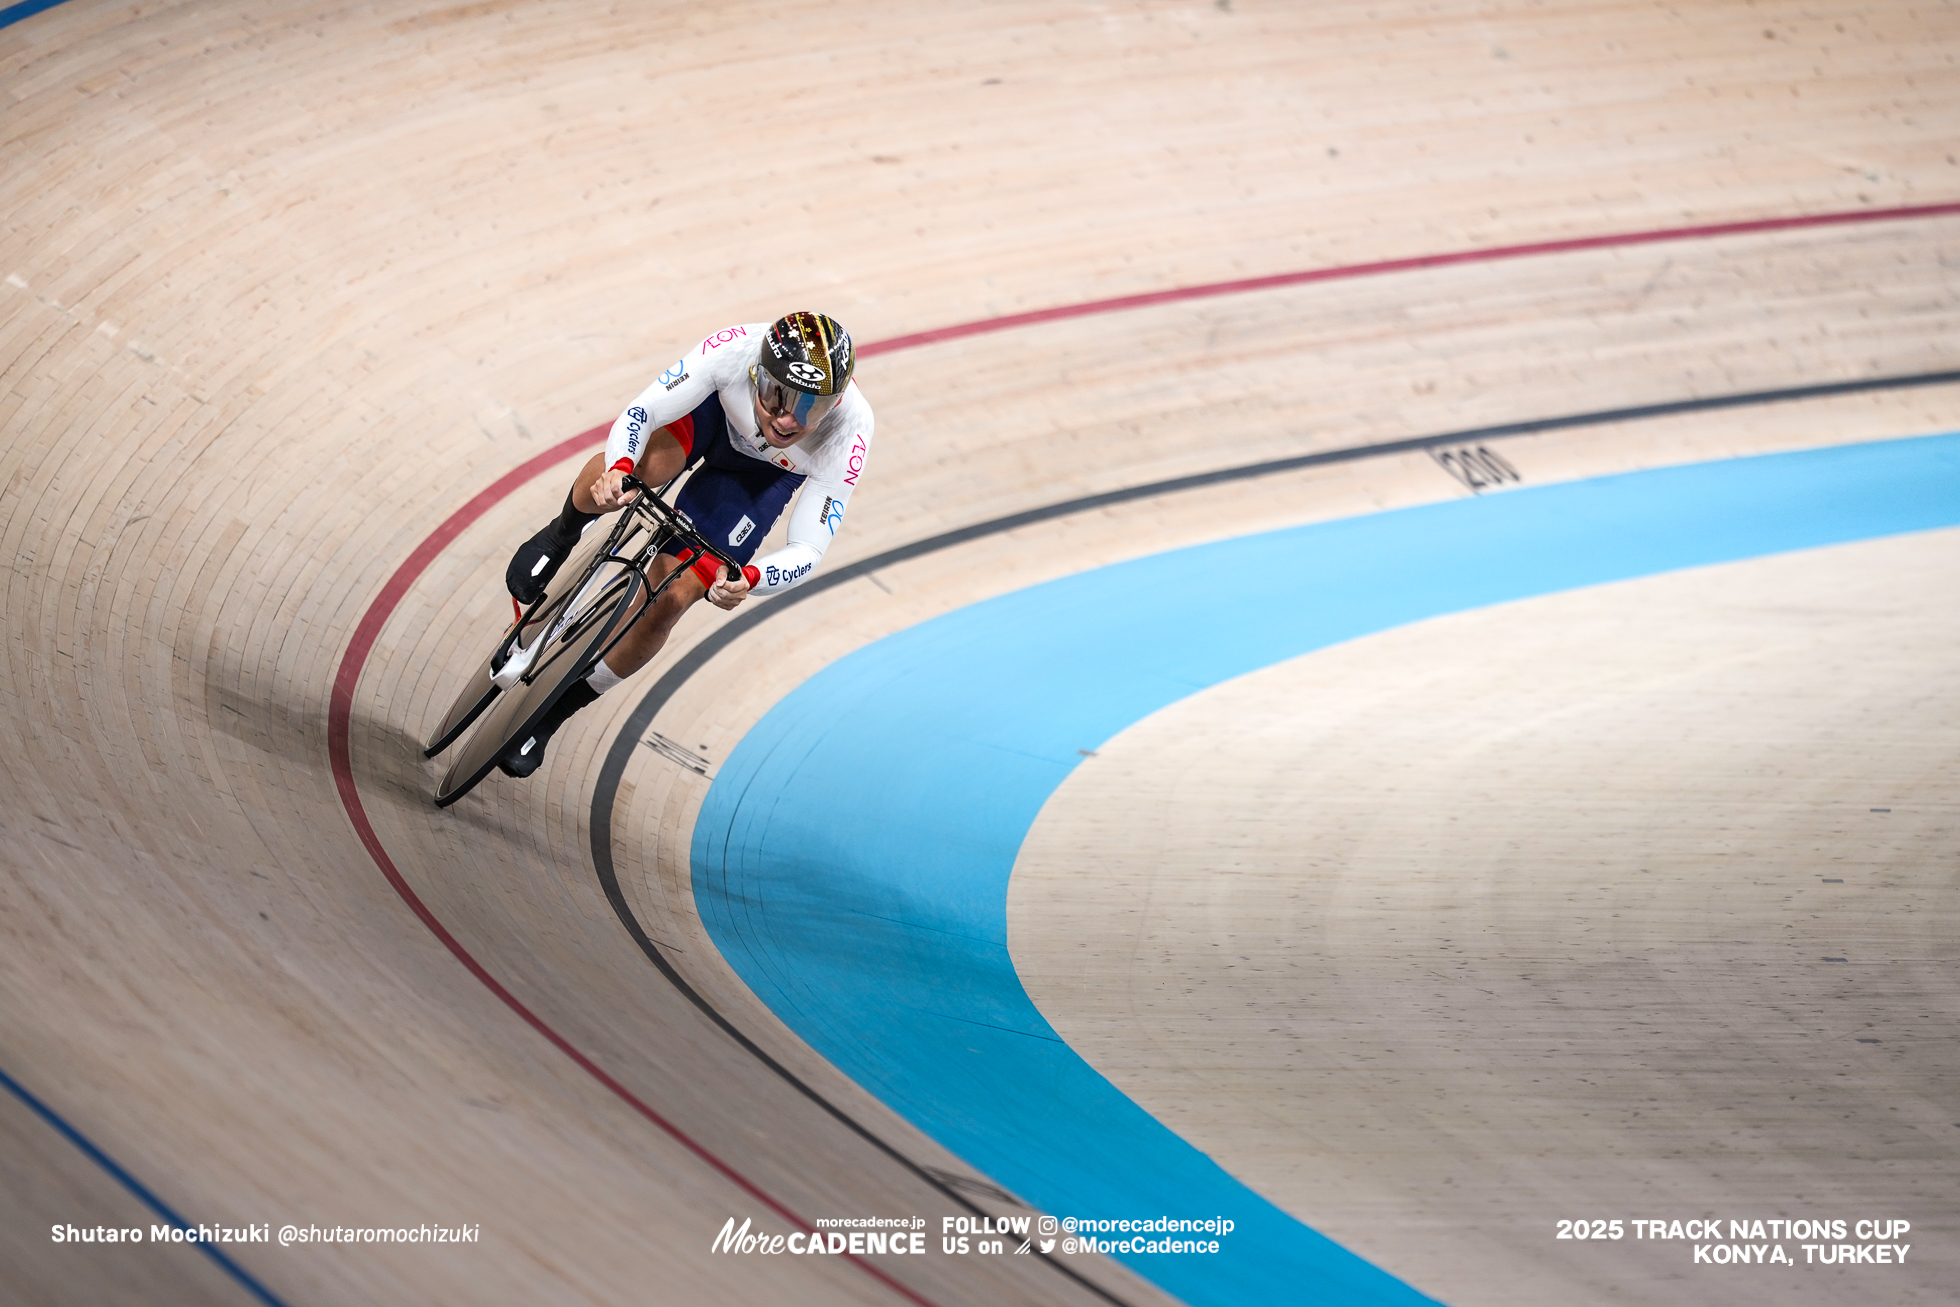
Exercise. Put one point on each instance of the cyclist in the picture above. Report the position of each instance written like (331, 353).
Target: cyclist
(758, 411)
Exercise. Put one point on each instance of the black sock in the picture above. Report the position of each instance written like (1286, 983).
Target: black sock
(577, 696)
(571, 521)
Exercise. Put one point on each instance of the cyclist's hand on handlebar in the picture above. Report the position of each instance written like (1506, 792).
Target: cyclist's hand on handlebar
(728, 591)
(609, 494)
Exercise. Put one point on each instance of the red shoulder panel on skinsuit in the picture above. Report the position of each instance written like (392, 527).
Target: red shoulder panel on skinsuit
(682, 429)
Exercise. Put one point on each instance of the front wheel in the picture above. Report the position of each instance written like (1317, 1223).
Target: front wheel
(588, 626)
(479, 691)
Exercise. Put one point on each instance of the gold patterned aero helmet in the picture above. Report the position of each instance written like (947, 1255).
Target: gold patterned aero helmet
(806, 363)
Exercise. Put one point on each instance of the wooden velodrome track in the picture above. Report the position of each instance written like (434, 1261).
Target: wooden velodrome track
(287, 288)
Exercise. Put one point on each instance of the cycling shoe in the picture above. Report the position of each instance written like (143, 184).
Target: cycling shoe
(537, 561)
(525, 755)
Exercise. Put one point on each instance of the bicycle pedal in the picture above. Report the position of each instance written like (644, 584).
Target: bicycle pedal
(515, 665)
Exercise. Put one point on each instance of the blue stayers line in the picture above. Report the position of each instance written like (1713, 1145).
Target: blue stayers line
(25, 9)
(135, 1186)
(852, 859)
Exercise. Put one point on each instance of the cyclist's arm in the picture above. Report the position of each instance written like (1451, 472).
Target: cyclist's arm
(816, 517)
(673, 395)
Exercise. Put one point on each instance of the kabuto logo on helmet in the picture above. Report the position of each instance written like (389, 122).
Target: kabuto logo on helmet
(809, 374)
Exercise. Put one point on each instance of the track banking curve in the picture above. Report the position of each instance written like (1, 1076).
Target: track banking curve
(404, 577)
(286, 287)
(879, 932)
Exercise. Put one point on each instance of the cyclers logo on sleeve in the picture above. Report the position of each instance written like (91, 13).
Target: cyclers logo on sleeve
(773, 575)
(636, 419)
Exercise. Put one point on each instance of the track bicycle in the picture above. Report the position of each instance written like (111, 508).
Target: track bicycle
(586, 610)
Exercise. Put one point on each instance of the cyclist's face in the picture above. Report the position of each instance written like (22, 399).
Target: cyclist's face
(780, 429)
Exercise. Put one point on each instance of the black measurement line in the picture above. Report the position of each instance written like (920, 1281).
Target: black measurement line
(741, 624)
(944, 1182)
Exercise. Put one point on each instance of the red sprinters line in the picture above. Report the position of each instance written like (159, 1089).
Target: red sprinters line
(341, 706)
(340, 712)
(1349, 271)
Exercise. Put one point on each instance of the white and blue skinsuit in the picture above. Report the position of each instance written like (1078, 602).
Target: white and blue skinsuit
(706, 402)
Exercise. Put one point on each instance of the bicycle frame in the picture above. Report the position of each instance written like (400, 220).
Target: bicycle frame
(661, 524)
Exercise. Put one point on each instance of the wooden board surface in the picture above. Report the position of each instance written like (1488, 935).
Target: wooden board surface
(280, 290)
